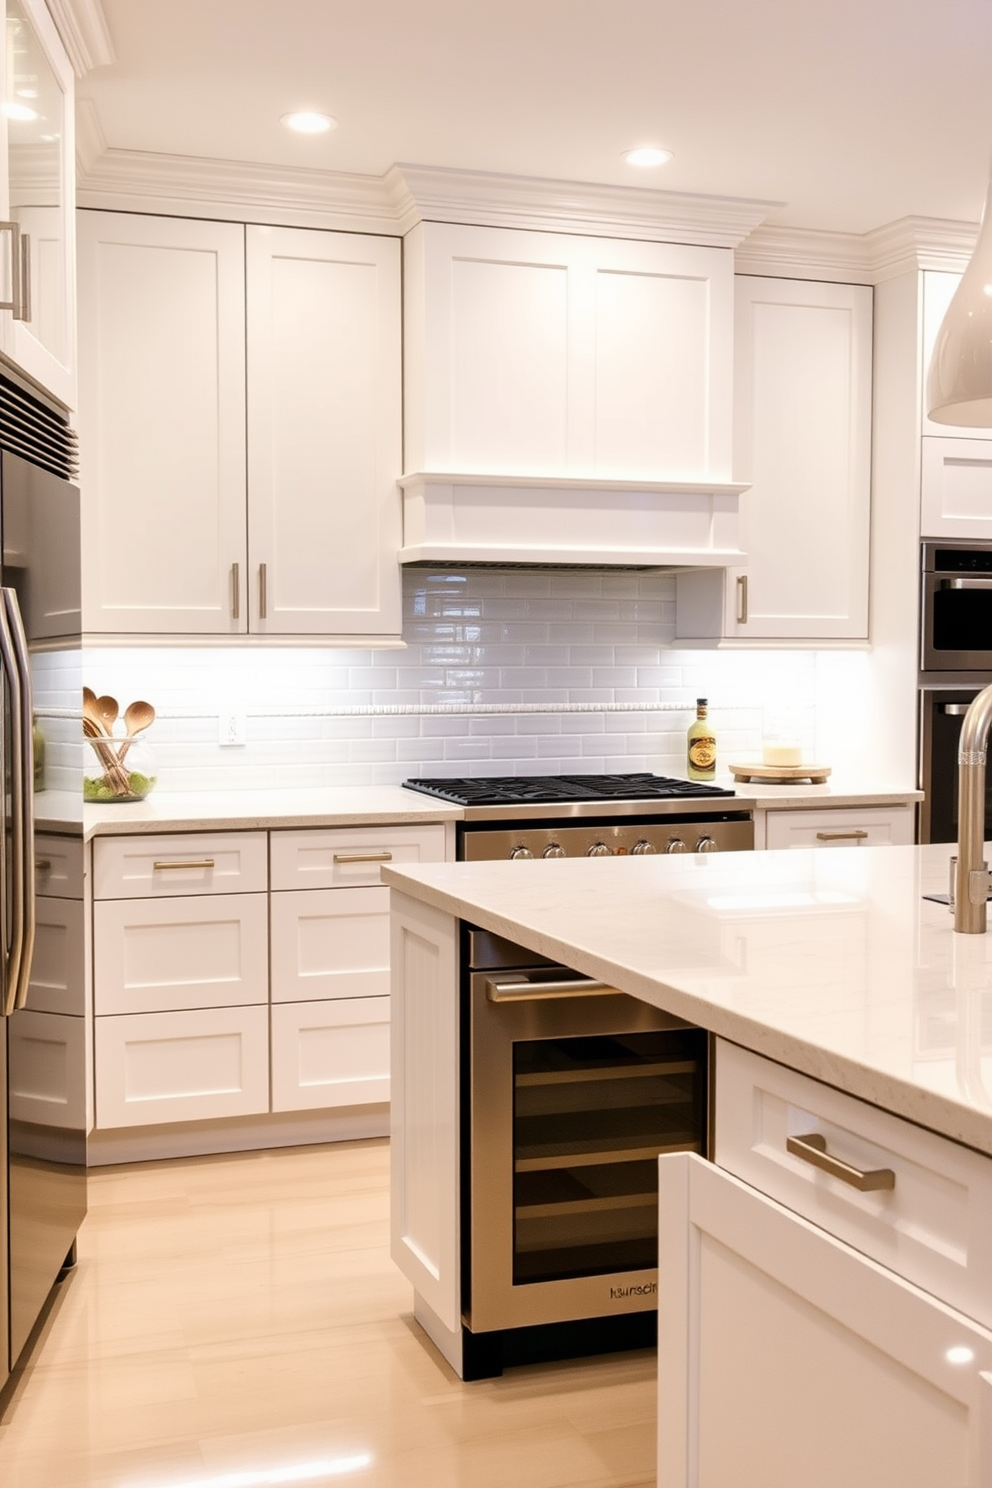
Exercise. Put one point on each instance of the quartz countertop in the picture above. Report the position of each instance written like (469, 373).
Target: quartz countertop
(227, 811)
(830, 962)
(802, 796)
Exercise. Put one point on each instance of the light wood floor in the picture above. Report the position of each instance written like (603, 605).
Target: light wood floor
(236, 1321)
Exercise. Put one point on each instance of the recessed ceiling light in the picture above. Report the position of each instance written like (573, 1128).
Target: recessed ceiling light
(20, 112)
(647, 155)
(307, 122)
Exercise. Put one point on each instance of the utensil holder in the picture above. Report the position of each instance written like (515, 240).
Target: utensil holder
(126, 770)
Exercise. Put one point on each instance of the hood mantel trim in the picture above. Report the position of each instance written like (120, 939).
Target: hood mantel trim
(548, 521)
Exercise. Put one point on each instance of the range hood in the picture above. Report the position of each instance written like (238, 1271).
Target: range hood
(521, 521)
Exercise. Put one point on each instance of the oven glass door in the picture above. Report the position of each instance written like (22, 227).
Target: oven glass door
(942, 713)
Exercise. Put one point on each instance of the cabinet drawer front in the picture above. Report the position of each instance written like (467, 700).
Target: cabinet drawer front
(58, 867)
(158, 1067)
(931, 1227)
(48, 1070)
(58, 976)
(347, 857)
(956, 493)
(180, 953)
(330, 1053)
(200, 863)
(330, 943)
(885, 826)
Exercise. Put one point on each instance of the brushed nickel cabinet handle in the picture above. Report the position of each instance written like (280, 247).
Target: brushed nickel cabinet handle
(188, 863)
(25, 310)
(263, 598)
(235, 591)
(742, 599)
(16, 301)
(374, 857)
(812, 1148)
(521, 990)
(43, 865)
(857, 835)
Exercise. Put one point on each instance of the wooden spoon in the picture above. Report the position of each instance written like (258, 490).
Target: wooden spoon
(107, 710)
(137, 717)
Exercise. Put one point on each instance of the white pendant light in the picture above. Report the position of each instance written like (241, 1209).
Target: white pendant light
(959, 385)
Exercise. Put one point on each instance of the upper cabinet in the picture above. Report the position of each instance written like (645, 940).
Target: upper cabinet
(803, 440)
(37, 200)
(547, 355)
(209, 511)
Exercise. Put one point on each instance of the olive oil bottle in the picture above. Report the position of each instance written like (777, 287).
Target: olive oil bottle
(701, 745)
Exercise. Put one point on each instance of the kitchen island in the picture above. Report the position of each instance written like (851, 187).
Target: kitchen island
(841, 999)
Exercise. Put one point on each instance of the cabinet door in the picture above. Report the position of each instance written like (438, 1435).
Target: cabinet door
(956, 488)
(785, 1357)
(802, 437)
(162, 425)
(330, 943)
(166, 954)
(324, 455)
(531, 353)
(330, 1053)
(40, 139)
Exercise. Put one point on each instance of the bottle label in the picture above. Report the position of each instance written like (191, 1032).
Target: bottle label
(702, 752)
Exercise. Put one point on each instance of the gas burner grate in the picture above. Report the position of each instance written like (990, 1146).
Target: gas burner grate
(521, 790)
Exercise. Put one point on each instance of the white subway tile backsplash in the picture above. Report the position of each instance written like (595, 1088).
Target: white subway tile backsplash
(473, 638)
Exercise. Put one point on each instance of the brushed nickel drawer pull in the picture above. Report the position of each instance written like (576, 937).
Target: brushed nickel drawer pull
(43, 865)
(374, 857)
(742, 600)
(521, 990)
(812, 1148)
(857, 835)
(187, 863)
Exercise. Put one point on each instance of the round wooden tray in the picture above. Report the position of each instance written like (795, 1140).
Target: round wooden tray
(781, 774)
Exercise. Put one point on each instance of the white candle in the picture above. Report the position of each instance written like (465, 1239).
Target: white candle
(773, 753)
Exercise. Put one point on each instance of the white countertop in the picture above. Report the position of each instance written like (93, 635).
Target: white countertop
(173, 811)
(219, 811)
(829, 961)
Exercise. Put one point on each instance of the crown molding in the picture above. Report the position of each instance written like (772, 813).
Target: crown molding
(85, 33)
(804, 253)
(914, 243)
(438, 194)
(232, 190)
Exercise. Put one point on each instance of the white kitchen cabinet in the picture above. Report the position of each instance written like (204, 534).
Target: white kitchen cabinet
(37, 195)
(58, 983)
(543, 354)
(802, 436)
(786, 1356)
(324, 389)
(330, 943)
(181, 1066)
(330, 1053)
(154, 955)
(212, 511)
(956, 488)
(349, 857)
(857, 826)
(180, 863)
(162, 425)
(48, 1062)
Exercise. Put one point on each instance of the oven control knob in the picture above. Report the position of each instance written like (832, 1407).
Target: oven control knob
(640, 849)
(598, 850)
(706, 844)
(521, 852)
(676, 845)
(553, 850)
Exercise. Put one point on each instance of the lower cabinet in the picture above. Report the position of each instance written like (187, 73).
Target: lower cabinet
(825, 1313)
(181, 1066)
(237, 974)
(873, 826)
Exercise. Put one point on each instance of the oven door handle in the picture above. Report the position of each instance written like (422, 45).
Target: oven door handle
(519, 989)
(953, 710)
(966, 584)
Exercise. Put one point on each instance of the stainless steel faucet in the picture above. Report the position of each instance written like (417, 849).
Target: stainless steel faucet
(973, 882)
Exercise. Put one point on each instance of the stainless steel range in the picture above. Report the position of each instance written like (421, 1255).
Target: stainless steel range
(593, 816)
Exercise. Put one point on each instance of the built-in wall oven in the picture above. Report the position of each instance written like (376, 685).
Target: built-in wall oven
(955, 664)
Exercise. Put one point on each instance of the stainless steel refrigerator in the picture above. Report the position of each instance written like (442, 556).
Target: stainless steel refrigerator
(42, 1161)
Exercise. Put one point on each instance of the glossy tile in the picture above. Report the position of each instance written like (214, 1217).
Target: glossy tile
(241, 1315)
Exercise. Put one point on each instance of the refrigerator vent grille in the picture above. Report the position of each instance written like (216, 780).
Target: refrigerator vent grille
(36, 432)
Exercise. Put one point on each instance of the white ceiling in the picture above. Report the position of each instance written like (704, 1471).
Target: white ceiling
(851, 113)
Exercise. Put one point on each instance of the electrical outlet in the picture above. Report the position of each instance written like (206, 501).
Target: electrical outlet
(231, 728)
